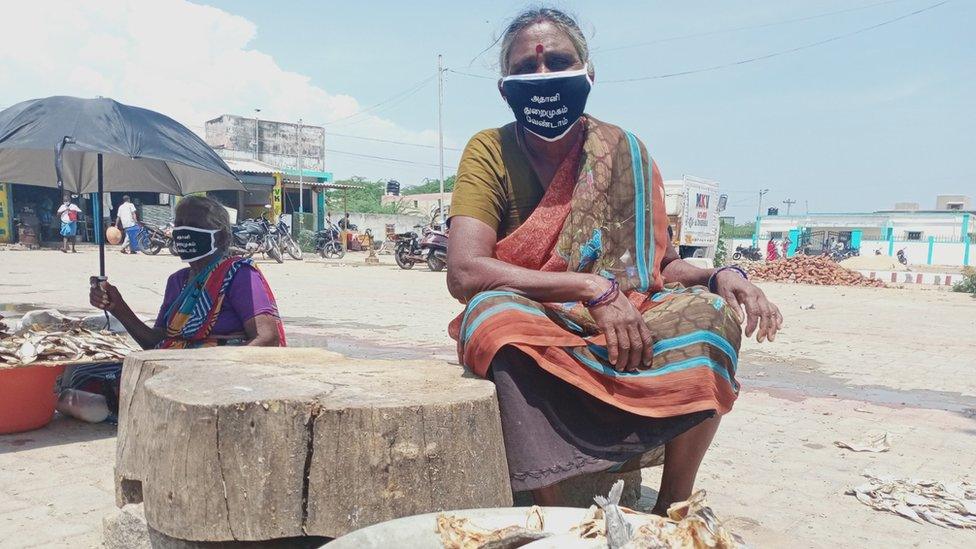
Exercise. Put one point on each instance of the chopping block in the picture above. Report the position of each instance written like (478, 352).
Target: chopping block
(254, 444)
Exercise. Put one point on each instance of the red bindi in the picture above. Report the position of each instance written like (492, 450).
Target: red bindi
(539, 49)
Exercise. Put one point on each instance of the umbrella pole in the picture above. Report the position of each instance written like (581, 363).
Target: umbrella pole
(98, 222)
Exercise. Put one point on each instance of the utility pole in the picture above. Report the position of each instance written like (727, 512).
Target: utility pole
(789, 205)
(257, 146)
(761, 194)
(301, 179)
(440, 130)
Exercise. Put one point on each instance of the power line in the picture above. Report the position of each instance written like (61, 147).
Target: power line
(472, 75)
(387, 159)
(781, 52)
(745, 27)
(750, 59)
(394, 142)
(401, 95)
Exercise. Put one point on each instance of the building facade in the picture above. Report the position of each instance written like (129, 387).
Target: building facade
(280, 144)
(943, 236)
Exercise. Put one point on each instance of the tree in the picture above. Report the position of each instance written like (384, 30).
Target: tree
(432, 186)
(364, 200)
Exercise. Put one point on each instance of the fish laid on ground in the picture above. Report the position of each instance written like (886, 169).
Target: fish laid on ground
(874, 443)
(949, 505)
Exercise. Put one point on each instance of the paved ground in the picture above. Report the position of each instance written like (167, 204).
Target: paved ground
(862, 360)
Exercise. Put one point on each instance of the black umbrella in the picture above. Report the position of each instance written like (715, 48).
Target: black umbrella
(90, 145)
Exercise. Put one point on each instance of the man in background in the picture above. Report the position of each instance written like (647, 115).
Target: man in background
(69, 224)
(129, 221)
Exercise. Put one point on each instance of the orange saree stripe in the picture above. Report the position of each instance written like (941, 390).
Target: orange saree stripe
(551, 346)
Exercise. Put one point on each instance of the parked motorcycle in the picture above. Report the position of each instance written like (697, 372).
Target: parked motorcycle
(902, 258)
(429, 247)
(255, 236)
(328, 243)
(152, 239)
(286, 244)
(751, 253)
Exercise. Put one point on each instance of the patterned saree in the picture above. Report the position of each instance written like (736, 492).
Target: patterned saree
(192, 315)
(604, 213)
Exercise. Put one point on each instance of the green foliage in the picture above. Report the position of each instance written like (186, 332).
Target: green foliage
(742, 230)
(364, 200)
(968, 283)
(431, 186)
(721, 253)
(306, 241)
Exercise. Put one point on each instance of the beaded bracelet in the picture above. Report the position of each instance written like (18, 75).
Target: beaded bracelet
(712, 279)
(605, 297)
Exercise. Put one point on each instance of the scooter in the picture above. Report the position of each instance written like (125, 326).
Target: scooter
(430, 247)
(751, 253)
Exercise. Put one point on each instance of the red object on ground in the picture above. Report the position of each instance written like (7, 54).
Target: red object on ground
(27, 398)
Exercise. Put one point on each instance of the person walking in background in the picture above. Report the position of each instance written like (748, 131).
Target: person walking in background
(69, 224)
(129, 220)
(786, 246)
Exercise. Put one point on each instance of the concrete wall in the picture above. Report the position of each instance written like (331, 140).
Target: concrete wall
(943, 253)
(278, 141)
(377, 222)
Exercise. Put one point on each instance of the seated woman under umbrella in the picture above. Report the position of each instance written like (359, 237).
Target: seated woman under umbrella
(217, 300)
(606, 349)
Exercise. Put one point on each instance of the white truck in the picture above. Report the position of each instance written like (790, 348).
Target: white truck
(693, 205)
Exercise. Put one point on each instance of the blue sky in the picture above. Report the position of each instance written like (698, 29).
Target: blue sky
(888, 115)
(856, 124)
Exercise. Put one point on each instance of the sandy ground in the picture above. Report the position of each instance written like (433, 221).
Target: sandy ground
(861, 361)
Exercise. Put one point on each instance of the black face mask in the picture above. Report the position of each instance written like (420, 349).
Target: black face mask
(192, 243)
(548, 104)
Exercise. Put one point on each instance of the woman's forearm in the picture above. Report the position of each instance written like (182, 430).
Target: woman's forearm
(684, 273)
(480, 274)
(146, 336)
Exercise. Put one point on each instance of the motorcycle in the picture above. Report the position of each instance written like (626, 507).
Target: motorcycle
(152, 239)
(286, 244)
(429, 247)
(328, 243)
(253, 236)
(902, 258)
(751, 253)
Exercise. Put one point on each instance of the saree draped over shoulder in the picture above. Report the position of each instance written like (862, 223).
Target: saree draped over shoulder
(604, 213)
(190, 319)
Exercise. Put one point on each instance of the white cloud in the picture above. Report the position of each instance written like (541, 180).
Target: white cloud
(188, 61)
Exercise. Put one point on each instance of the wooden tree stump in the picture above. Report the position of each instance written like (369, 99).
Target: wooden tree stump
(256, 444)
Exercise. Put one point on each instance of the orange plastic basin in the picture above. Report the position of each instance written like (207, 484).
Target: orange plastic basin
(27, 399)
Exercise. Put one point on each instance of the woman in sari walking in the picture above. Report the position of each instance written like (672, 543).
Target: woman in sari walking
(606, 348)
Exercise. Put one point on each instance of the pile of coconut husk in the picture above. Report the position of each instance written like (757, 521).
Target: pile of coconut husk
(804, 269)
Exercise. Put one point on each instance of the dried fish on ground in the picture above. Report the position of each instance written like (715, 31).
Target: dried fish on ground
(874, 443)
(949, 505)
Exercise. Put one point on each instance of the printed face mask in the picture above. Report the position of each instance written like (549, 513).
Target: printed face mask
(192, 243)
(548, 104)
